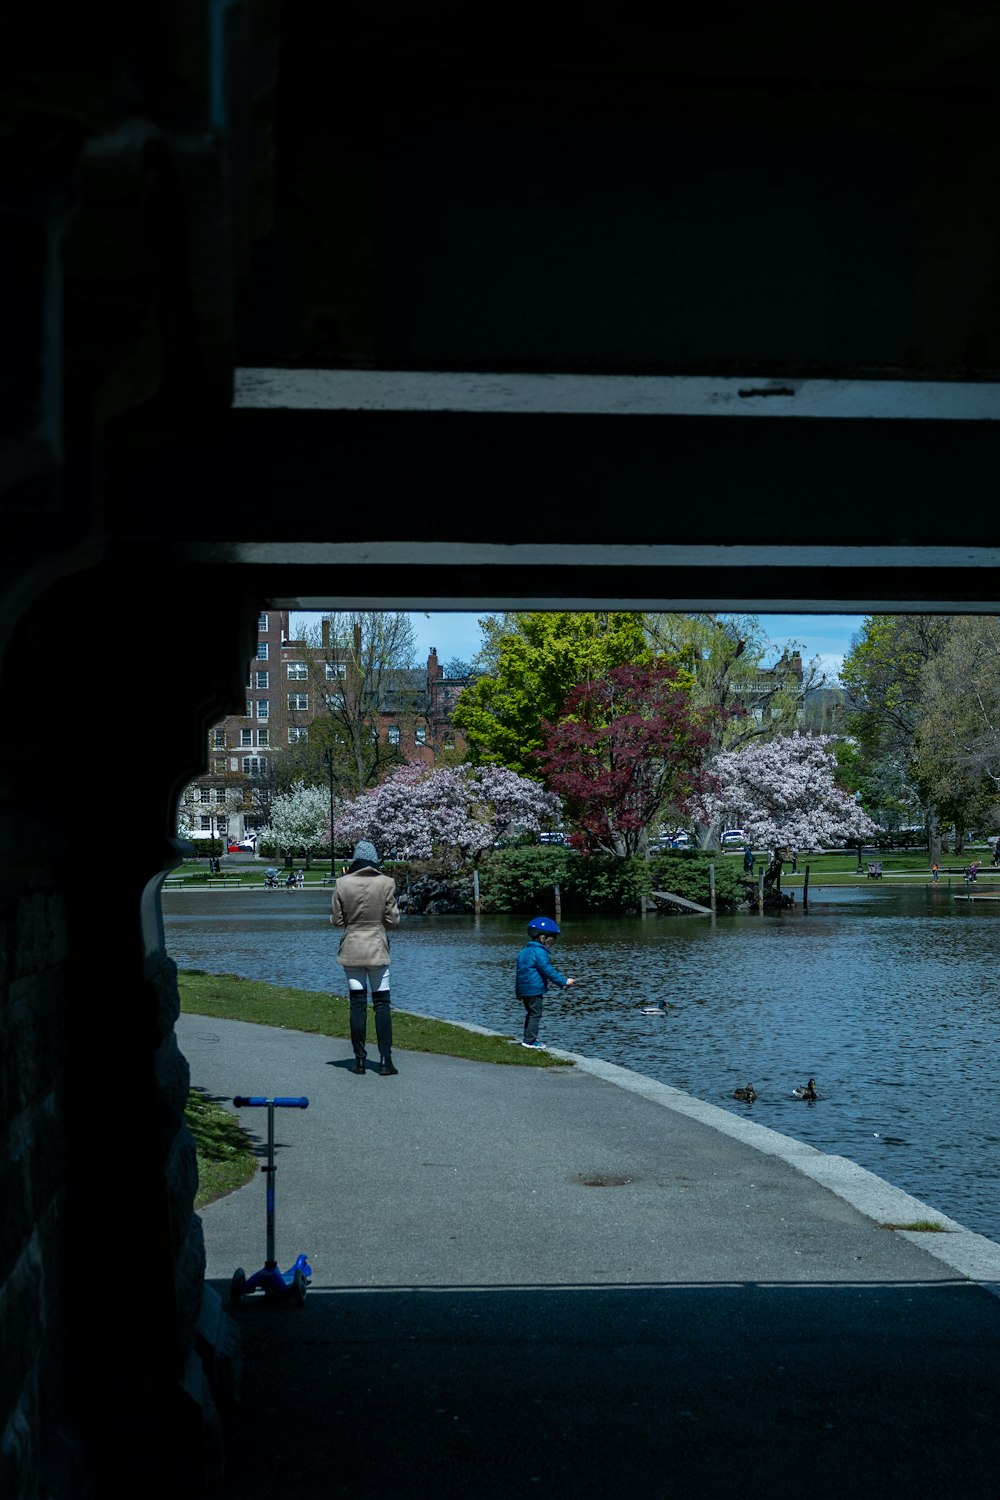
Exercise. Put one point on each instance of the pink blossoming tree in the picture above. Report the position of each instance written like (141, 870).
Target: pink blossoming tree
(455, 812)
(782, 793)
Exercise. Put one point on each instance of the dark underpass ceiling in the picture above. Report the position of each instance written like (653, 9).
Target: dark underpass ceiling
(758, 194)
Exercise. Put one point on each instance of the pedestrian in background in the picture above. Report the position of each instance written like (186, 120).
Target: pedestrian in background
(364, 904)
(535, 970)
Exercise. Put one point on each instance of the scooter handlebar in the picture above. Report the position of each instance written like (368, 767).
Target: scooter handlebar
(251, 1101)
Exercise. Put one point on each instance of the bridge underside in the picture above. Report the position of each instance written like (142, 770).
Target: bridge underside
(587, 494)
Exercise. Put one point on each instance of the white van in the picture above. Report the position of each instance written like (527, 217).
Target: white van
(732, 836)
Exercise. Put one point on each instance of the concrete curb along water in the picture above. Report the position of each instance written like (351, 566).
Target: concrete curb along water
(967, 1253)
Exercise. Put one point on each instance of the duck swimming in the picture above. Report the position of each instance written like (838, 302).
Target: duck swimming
(806, 1091)
(659, 1009)
(749, 1093)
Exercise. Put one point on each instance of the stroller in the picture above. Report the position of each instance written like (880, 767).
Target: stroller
(271, 876)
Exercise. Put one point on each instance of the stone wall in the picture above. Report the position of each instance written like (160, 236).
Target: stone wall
(136, 165)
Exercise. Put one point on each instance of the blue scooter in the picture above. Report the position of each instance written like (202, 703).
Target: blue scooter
(274, 1283)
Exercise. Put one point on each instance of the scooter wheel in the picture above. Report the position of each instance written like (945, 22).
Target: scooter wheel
(299, 1284)
(237, 1286)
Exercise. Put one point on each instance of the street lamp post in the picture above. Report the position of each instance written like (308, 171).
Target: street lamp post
(328, 762)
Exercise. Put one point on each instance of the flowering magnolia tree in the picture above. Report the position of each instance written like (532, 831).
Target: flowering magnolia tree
(300, 819)
(627, 746)
(455, 811)
(781, 792)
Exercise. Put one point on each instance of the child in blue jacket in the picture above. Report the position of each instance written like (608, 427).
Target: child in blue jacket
(534, 970)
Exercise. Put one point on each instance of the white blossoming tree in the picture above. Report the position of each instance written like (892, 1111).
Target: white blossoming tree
(782, 793)
(456, 812)
(300, 819)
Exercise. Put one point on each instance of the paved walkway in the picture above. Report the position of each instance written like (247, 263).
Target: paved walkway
(581, 1282)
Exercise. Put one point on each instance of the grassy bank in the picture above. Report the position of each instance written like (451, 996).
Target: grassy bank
(226, 1159)
(234, 999)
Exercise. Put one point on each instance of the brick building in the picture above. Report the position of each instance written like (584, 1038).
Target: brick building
(290, 684)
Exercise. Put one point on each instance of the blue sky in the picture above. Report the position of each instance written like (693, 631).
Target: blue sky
(827, 637)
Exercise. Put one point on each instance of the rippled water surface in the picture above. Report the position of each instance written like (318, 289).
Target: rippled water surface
(888, 998)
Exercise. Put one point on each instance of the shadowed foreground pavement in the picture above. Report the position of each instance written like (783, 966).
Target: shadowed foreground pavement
(580, 1282)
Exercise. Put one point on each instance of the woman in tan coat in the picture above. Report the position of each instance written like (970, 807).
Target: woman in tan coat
(364, 904)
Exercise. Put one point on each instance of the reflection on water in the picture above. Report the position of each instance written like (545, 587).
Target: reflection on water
(889, 999)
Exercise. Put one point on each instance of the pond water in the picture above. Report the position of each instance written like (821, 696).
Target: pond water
(888, 997)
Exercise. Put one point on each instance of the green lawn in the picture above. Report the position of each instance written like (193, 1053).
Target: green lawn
(234, 999)
(910, 868)
(226, 1159)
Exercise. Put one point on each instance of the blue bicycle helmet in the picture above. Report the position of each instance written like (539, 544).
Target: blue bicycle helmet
(543, 924)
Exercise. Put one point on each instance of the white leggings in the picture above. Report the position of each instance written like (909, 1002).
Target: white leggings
(376, 976)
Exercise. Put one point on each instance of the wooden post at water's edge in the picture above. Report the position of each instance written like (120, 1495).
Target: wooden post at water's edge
(558, 894)
(711, 888)
(475, 891)
(805, 891)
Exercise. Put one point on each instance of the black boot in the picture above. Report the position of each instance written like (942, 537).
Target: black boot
(383, 1031)
(359, 1028)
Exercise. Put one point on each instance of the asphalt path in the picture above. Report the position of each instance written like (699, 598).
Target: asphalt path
(578, 1281)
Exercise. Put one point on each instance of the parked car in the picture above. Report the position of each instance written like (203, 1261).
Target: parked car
(732, 836)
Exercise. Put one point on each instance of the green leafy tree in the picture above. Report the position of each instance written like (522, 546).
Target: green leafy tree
(746, 700)
(530, 662)
(725, 655)
(958, 736)
(884, 675)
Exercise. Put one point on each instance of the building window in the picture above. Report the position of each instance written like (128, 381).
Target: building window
(218, 739)
(219, 765)
(336, 669)
(298, 671)
(246, 737)
(252, 765)
(249, 712)
(206, 824)
(262, 624)
(262, 651)
(298, 701)
(296, 733)
(262, 680)
(393, 735)
(262, 738)
(449, 739)
(420, 735)
(263, 708)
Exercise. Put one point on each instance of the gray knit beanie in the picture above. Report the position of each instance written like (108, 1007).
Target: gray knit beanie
(365, 852)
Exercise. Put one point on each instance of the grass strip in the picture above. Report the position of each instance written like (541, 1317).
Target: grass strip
(225, 1154)
(923, 1226)
(230, 998)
